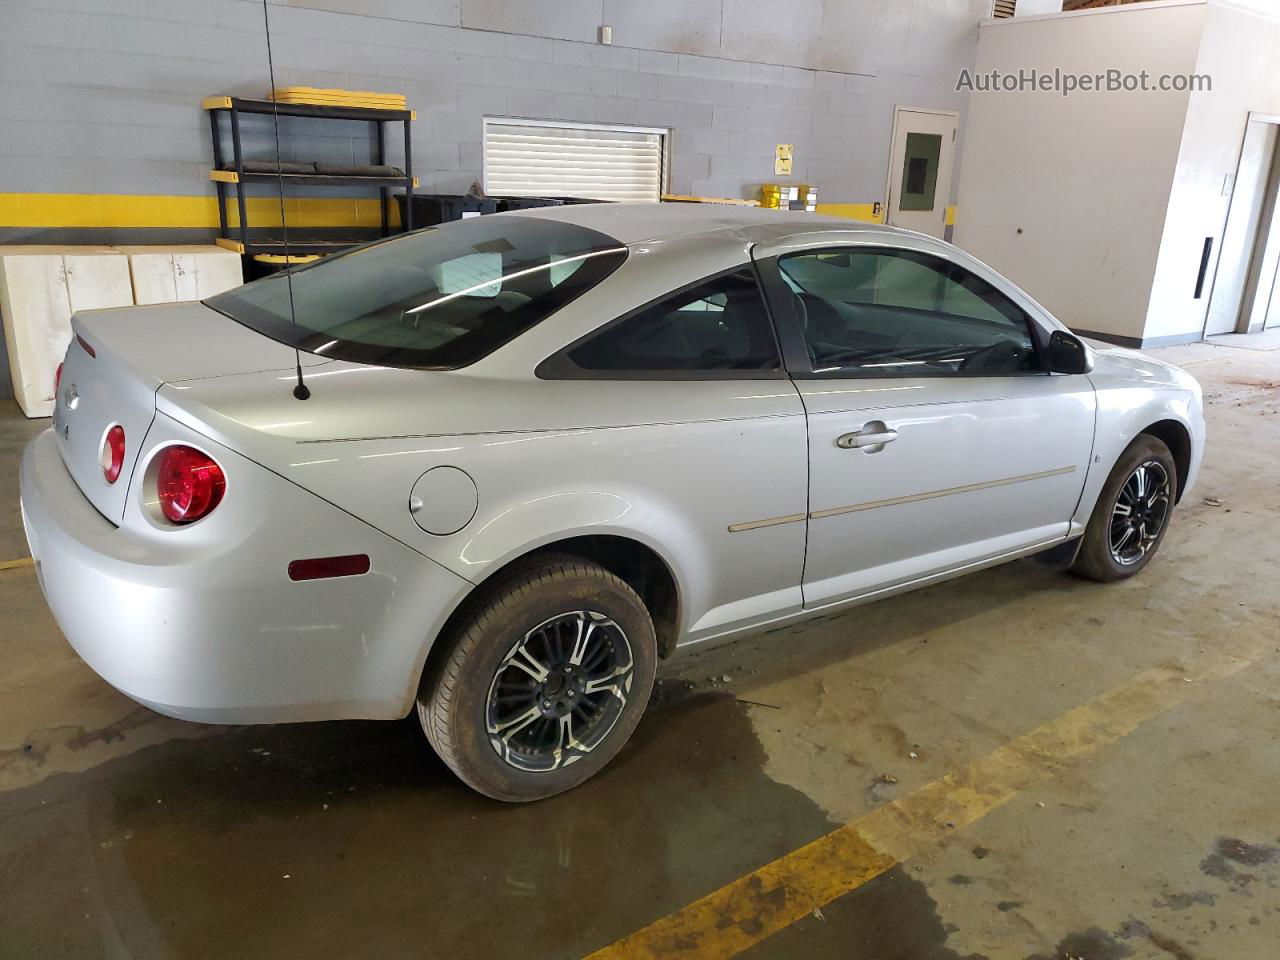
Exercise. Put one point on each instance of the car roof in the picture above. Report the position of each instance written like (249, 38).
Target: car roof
(635, 222)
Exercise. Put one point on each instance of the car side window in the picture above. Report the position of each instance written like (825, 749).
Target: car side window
(718, 328)
(885, 312)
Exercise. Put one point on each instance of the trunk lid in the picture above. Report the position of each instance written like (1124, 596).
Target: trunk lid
(116, 362)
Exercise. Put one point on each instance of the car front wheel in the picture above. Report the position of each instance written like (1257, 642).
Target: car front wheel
(1132, 513)
(543, 683)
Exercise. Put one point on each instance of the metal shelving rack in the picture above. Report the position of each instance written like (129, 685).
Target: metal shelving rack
(302, 249)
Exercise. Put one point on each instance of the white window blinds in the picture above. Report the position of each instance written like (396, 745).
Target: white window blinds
(527, 158)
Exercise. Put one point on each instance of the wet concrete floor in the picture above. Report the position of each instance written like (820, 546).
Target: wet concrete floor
(126, 834)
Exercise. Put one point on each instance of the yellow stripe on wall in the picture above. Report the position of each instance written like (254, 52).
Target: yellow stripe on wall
(87, 210)
(867, 212)
(854, 211)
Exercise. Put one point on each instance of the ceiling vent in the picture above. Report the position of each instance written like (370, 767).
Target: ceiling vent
(1004, 9)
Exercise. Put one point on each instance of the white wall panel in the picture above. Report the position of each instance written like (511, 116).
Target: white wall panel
(681, 28)
(1067, 195)
(1238, 51)
(562, 19)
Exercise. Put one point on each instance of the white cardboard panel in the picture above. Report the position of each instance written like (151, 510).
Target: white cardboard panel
(166, 274)
(33, 299)
(96, 281)
(152, 275)
(216, 270)
(40, 287)
(186, 274)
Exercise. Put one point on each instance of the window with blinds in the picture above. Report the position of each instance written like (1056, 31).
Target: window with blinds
(540, 158)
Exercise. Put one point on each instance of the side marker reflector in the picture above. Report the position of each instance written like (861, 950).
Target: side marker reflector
(321, 568)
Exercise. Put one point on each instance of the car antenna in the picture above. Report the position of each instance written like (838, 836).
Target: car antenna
(300, 390)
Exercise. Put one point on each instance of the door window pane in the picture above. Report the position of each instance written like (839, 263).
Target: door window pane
(920, 171)
(901, 313)
(718, 325)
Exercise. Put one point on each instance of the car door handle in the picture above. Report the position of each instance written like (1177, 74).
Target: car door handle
(872, 435)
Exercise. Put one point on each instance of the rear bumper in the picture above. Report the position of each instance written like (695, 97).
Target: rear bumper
(210, 628)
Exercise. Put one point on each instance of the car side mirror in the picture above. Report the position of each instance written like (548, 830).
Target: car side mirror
(1068, 354)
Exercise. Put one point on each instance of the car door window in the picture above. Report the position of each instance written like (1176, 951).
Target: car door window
(880, 312)
(715, 329)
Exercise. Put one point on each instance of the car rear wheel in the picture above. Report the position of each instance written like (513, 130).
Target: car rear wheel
(543, 683)
(1132, 513)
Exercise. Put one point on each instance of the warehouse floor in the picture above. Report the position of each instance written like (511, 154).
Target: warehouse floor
(1029, 765)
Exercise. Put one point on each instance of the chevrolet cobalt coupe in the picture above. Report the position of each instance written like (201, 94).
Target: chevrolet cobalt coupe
(518, 459)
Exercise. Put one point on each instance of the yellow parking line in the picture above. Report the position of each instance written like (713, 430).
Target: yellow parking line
(746, 911)
(16, 564)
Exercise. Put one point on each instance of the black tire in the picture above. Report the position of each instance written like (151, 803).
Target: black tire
(1098, 558)
(538, 606)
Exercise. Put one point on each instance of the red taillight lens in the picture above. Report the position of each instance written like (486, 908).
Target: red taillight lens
(85, 346)
(112, 455)
(190, 484)
(57, 378)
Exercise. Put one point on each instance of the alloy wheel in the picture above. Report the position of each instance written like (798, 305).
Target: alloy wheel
(1140, 513)
(559, 691)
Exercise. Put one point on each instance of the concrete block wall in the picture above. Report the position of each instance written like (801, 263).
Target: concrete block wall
(102, 97)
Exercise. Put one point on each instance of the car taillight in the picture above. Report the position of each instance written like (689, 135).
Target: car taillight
(112, 455)
(190, 484)
(57, 378)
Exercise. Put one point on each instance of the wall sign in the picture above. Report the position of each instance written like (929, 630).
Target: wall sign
(782, 160)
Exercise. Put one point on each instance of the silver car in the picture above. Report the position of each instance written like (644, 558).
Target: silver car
(517, 460)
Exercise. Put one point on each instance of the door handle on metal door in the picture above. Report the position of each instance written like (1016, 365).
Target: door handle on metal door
(874, 434)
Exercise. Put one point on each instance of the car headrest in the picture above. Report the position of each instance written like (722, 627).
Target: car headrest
(822, 320)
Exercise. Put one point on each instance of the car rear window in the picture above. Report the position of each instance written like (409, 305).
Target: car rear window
(439, 298)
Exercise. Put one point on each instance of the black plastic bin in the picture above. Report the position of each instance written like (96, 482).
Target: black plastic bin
(526, 203)
(432, 208)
